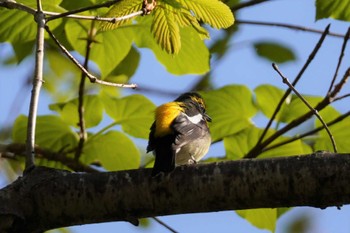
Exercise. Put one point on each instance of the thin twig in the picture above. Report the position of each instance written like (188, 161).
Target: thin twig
(315, 112)
(339, 86)
(247, 4)
(91, 77)
(93, 7)
(15, 5)
(340, 59)
(341, 97)
(289, 26)
(37, 83)
(98, 18)
(164, 224)
(255, 150)
(82, 133)
(336, 120)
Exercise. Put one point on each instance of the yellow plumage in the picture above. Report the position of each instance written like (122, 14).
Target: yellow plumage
(165, 114)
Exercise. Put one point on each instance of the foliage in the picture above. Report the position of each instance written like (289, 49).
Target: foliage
(174, 32)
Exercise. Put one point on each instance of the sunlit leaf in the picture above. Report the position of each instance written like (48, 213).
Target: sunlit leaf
(336, 9)
(51, 132)
(260, 218)
(165, 29)
(109, 49)
(213, 12)
(192, 58)
(134, 113)
(119, 9)
(239, 144)
(230, 108)
(114, 150)
(339, 131)
(267, 99)
(274, 52)
(93, 110)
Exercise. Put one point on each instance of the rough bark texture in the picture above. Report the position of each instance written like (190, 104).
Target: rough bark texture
(47, 198)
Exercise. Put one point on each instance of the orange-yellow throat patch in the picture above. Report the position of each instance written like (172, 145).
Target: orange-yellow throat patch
(165, 114)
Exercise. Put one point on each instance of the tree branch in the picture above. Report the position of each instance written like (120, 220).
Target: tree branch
(37, 83)
(56, 198)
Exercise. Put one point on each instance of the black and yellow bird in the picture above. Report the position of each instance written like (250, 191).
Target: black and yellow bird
(180, 133)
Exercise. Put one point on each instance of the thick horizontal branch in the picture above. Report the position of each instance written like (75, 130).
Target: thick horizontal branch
(46, 198)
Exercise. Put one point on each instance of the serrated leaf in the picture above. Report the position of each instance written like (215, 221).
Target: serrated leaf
(165, 29)
(119, 9)
(192, 58)
(111, 47)
(135, 113)
(93, 110)
(274, 52)
(239, 144)
(114, 150)
(260, 218)
(230, 108)
(213, 12)
(51, 133)
(336, 9)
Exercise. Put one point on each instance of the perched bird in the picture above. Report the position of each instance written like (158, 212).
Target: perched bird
(180, 133)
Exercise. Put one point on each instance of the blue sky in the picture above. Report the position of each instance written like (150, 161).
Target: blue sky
(241, 66)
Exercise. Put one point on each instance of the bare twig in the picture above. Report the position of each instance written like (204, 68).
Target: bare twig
(339, 86)
(91, 77)
(289, 26)
(37, 83)
(340, 59)
(247, 4)
(336, 120)
(285, 80)
(164, 224)
(10, 4)
(97, 18)
(82, 133)
(93, 7)
(341, 97)
(255, 150)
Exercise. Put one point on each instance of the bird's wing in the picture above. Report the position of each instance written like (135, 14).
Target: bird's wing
(185, 130)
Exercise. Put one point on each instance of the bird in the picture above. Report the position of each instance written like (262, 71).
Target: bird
(180, 134)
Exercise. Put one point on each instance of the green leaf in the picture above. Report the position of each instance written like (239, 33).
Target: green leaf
(121, 8)
(93, 110)
(260, 218)
(274, 52)
(213, 12)
(230, 108)
(239, 144)
(19, 28)
(336, 9)
(192, 58)
(165, 29)
(51, 133)
(297, 107)
(110, 49)
(114, 150)
(135, 113)
(267, 99)
(339, 131)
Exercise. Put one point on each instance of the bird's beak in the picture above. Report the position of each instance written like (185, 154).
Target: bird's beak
(207, 117)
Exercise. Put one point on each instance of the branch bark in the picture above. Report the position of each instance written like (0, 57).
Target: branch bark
(47, 198)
